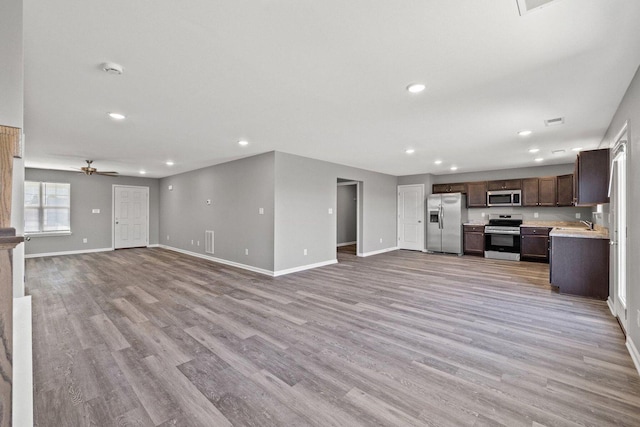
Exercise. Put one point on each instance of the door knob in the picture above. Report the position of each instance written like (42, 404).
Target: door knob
(612, 243)
(117, 222)
(419, 222)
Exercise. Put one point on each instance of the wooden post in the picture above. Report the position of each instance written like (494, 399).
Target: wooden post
(9, 147)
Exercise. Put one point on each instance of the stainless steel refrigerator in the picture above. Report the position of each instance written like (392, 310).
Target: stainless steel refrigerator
(445, 215)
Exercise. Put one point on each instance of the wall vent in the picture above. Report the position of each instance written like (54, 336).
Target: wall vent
(208, 241)
(526, 6)
(554, 122)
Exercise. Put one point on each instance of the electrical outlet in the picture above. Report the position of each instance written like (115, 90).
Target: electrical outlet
(578, 215)
(208, 202)
(482, 214)
(168, 237)
(304, 251)
(95, 210)
(638, 319)
(535, 215)
(330, 211)
(84, 240)
(381, 240)
(246, 251)
(170, 188)
(192, 242)
(198, 242)
(260, 211)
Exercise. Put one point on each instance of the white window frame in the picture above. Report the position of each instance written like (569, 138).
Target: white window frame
(41, 209)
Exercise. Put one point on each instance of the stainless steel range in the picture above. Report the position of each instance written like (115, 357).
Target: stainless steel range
(502, 237)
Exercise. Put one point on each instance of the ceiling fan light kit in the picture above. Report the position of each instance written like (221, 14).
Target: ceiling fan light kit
(90, 170)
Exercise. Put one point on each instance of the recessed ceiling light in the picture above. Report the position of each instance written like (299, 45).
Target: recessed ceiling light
(243, 142)
(169, 163)
(576, 149)
(117, 116)
(143, 172)
(409, 151)
(525, 132)
(454, 168)
(416, 87)
(539, 159)
(534, 150)
(438, 162)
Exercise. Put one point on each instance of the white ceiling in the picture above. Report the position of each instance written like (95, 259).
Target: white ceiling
(323, 79)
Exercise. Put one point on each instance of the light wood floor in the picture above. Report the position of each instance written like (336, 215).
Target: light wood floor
(149, 337)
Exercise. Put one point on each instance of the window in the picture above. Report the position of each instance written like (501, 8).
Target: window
(47, 208)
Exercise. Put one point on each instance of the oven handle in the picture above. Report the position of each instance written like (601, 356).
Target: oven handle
(510, 233)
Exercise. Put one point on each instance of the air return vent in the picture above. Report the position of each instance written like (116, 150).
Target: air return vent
(208, 241)
(526, 6)
(554, 122)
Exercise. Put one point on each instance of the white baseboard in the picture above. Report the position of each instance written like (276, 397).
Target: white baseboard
(220, 260)
(304, 267)
(610, 304)
(346, 244)
(85, 251)
(155, 245)
(381, 251)
(633, 351)
(22, 404)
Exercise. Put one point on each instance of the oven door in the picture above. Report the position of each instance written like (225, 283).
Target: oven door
(497, 242)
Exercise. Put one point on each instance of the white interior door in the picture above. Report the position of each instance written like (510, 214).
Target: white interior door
(619, 235)
(131, 216)
(411, 217)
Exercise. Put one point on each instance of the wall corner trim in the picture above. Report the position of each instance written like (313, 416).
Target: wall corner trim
(633, 351)
(304, 267)
(610, 304)
(381, 251)
(85, 251)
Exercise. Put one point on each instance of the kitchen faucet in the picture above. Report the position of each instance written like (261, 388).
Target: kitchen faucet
(588, 224)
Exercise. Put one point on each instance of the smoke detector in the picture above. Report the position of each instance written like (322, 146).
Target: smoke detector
(112, 68)
(527, 6)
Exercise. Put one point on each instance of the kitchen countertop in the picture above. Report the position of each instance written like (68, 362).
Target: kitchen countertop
(564, 229)
(581, 232)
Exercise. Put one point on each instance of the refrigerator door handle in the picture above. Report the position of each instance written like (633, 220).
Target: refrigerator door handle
(441, 218)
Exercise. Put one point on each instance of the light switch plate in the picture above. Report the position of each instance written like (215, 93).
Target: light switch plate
(535, 215)
(578, 215)
(95, 210)
(330, 211)
(261, 211)
(208, 202)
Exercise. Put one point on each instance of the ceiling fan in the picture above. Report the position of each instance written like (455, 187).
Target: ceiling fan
(89, 170)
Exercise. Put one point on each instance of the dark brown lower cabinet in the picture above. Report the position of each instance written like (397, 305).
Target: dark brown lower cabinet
(474, 240)
(580, 266)
(534, 243)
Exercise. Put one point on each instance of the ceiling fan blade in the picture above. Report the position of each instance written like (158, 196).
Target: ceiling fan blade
(109, 173)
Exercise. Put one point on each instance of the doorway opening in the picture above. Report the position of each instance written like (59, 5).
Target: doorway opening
(130, 216)
(618, 237)
(348, 235)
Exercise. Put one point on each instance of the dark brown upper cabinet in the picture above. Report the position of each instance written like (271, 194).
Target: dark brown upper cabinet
(509, 184)
(460, 187)
(477, 194)
(565, 190)
(539, 191)
(592, 177)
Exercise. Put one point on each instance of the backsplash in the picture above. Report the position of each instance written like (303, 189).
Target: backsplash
(544, 213)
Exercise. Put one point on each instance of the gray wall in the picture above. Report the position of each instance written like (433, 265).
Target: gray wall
(304, 191)
(237, 190)
(11, 114)
(87, 193)
(346, 213)
(629, 110)
(476, 214)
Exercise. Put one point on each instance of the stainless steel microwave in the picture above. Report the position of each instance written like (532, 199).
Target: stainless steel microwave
(504, 198)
